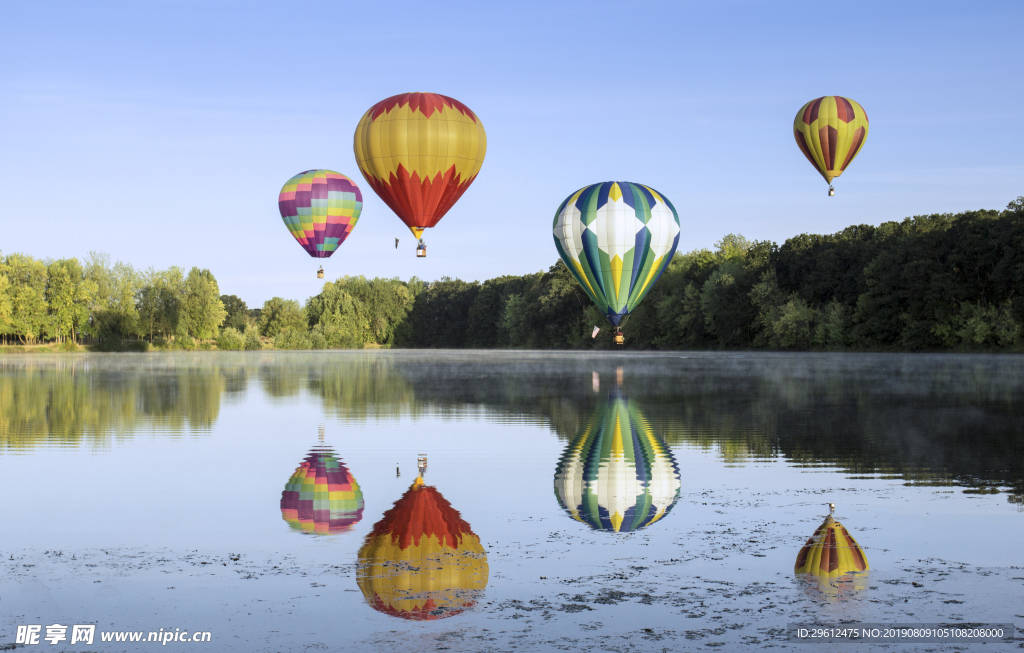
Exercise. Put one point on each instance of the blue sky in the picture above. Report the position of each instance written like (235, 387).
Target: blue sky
(161, 132)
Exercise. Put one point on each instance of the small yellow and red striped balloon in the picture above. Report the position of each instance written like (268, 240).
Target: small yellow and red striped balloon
(830, 131)
(831, 552)
(422, 561)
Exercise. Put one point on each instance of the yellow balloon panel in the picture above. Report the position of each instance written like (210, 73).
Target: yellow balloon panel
(427, 144)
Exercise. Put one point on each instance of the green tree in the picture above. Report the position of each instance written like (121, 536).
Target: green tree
(281, 314)
(27, 277)
(202, 310)
(237, 312)
(5, 303)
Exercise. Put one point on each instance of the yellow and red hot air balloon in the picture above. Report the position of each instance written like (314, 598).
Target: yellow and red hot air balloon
(422, 561)
(831, 131)
(832, 558)
(420, 152)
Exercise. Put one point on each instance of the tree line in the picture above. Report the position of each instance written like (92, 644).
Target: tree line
(928, 283)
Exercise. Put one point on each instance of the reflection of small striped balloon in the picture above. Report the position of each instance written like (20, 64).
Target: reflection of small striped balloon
(831, 552)
(422, 561)
(322, 496)
(831, 564)
(617, 474)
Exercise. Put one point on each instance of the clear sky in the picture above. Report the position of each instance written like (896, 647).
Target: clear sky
(161, 131)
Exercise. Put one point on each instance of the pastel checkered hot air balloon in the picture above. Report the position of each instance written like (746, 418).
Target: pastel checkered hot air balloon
(422, 561)
(830, 131)
(322, 496)
(420, 152)
(831, 559)
(616, 238)
(617, 475)
(320, 209)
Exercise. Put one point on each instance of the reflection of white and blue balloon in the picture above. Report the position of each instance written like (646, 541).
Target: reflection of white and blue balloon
(617, 474)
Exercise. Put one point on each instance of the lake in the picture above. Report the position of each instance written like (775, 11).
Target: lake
(568, 501)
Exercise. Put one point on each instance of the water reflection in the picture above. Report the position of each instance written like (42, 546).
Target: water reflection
(617, 475)
(322, 496)
(422, 561)
(929, 420)
(67, 403)
(832, 562)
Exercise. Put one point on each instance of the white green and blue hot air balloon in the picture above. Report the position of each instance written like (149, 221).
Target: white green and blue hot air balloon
(616, 238)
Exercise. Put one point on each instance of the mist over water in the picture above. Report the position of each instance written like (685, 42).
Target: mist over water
(638, 500)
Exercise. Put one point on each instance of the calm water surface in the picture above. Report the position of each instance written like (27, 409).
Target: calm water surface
(588, 502)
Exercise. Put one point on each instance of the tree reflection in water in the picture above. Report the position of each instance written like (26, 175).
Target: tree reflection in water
(929, 419)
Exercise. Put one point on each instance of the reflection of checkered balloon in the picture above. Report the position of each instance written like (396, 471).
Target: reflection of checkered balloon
(322, 496)
(320, 209)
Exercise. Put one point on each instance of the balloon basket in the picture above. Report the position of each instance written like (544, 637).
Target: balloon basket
(831, 191)
(320, 273)
(421, 250)
(618, 339)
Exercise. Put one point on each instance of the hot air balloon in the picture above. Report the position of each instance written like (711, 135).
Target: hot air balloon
(320, 209)
(617, 474)
(322, 497)
(830, 131)
(831, 559)
(616, 238)
(422, 561)
(420, 152)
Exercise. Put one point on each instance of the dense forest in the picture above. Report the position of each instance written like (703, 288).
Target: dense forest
(928, 283)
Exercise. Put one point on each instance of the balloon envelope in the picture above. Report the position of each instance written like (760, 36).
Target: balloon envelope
(617, 474)
(322, 496)
(420, 152)
(831, 552)
(616, 239)
(831, 563)
(422, 561)
(320, 209)
(830, 131)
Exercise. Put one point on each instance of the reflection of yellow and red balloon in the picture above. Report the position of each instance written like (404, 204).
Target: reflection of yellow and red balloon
(322, 496)
(422, 561)
(832, 559)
